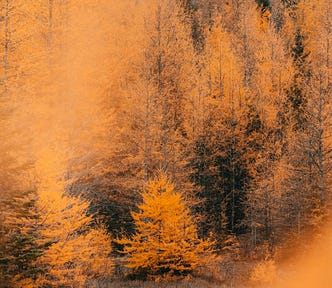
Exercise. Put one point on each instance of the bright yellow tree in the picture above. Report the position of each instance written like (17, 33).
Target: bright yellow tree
(166, 241)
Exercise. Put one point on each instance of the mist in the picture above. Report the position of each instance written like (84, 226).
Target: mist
(225, 105)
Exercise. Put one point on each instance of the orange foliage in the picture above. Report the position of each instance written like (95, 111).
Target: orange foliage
(166, 241)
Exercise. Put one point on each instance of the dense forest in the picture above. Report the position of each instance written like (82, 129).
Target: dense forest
(178, 142)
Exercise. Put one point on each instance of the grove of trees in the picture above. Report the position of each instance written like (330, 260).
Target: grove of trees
(163, 133)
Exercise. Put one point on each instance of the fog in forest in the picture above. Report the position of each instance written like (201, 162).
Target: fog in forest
(176, 143)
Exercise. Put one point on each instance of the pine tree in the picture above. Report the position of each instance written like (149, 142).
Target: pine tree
(166, 242)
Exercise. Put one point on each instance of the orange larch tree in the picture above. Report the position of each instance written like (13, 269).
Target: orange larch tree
(166, 242)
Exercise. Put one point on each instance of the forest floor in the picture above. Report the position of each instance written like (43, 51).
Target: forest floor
(227, 274)
(149, 284)
(234, 275)
(193, 283)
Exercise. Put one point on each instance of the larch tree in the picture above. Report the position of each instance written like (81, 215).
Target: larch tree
(166, 241)
(219, 167)
(78, 249)
(306, 121)
(317, 140)
(19, 244)
(264, 138)
(167, 64)
(18, 216)
(151, 102)
(108, 172)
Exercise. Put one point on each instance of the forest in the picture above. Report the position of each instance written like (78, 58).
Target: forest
(165, 143)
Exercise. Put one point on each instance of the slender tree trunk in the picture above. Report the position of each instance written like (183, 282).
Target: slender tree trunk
(328, 28)
(245, 53)
(50, 23)
(147, 134)
(232, 159)
(160, 91)
(7, 46)
(220, 71)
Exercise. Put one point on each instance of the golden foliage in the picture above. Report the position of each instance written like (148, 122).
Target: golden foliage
(166, 242)
(77, 252)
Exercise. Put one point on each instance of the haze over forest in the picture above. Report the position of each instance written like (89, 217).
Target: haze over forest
(165, 143)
